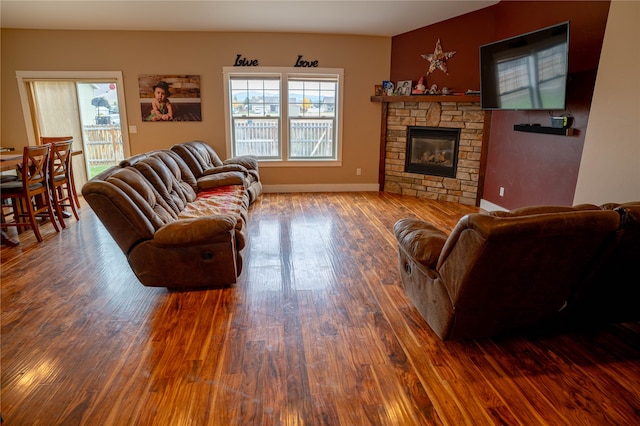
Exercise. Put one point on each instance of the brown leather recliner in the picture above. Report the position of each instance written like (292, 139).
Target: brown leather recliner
(502, 271)
(206, 166)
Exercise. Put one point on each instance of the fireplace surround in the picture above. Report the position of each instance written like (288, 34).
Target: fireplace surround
(460, 113)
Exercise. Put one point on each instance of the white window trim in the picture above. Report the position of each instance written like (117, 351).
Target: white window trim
(282, 72)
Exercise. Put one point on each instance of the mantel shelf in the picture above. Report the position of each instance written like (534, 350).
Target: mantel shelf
(427, 98)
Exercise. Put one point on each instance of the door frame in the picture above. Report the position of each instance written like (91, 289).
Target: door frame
(75, 76)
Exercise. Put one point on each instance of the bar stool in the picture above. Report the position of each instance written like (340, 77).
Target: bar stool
(72, 185)
(60, 179)
(24, 193)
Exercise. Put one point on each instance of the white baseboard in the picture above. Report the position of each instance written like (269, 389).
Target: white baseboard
(346, 187)
(490, 207)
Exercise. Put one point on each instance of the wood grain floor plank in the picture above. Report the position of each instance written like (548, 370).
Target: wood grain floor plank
(317, 331)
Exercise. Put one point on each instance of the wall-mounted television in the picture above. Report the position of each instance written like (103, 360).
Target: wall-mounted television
(526, 72)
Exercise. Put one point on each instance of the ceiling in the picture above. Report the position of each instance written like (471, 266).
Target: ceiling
(375, 18)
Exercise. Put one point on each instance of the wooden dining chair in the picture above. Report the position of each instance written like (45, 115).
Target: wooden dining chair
(60, 180)
(72, 185)
(30, 196)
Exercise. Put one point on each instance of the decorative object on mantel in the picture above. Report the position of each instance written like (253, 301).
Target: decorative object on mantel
(420, 88)
(433, 90)
(387, 87)
(438, 59)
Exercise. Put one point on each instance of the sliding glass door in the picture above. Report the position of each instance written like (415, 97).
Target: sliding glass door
(88, 108)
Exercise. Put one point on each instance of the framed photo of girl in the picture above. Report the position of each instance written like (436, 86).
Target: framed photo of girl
(404, 88)
(169, 97)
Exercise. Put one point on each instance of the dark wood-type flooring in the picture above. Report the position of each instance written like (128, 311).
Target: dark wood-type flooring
(317, 331)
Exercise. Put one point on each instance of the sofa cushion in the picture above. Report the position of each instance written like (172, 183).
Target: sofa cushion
(226, 201)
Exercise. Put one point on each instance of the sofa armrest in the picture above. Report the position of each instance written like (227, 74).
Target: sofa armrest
(220, 179)
(249, 162)
(226, 168)
(420, 240)
(194, 231)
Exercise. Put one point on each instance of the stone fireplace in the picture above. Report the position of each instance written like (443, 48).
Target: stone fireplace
(403, 171)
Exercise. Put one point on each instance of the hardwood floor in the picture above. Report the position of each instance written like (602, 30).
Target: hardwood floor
(317, 331)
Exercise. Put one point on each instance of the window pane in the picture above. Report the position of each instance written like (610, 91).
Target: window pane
(312, 98)
(256, 137)
(311, 138)
(255, 97)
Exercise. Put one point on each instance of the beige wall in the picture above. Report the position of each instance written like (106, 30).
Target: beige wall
(610, 165)
(365, 60)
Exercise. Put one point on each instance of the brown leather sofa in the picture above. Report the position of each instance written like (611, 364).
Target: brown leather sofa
(207, 167)
(501, 271)
(613, 293)
(174, 232)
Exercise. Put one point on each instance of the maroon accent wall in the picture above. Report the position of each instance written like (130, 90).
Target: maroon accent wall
(532, 168)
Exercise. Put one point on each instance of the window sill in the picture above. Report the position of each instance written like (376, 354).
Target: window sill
(299, 163)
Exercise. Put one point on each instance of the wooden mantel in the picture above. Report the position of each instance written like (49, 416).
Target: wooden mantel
(427, 98)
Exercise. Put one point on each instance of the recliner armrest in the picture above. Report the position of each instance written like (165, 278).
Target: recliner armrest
(420, 240)
(226, 168)
(194, 231)
(249, 162)
(216, 180)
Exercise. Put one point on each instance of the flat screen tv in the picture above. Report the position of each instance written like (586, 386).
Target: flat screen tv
(526, 72)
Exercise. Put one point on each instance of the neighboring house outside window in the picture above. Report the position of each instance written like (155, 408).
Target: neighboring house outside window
(285, 116)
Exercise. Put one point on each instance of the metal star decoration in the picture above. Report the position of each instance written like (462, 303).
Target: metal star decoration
(438, 59)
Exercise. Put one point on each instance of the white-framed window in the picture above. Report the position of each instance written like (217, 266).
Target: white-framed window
(284, 116)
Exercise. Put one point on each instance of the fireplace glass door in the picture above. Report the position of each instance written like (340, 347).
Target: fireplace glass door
(432, 151)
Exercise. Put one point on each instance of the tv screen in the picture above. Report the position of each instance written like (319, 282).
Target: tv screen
(526, 72)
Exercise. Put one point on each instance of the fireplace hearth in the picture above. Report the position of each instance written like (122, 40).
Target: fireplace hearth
(432, 151)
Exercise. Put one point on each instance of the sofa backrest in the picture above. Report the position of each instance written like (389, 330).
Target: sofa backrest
(505, 271)
(140, 196)
(198, 155)
(170, 176)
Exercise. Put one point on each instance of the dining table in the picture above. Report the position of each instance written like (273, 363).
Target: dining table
(10, 161)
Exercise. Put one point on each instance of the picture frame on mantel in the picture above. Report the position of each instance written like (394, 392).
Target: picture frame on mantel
(404, 88)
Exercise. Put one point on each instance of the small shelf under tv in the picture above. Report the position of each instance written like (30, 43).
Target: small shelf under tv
(562, 131)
